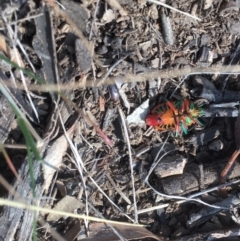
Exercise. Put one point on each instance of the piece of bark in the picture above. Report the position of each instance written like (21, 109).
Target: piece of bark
(139, 115)
(170, 166)
(204, 137)
(166, 28)
(44, 37)
(6, 118)
(83, 56)
(77, 12)
(12, 218)
(190, 180)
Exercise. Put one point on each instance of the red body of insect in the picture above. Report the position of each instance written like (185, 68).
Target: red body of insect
(174, 115)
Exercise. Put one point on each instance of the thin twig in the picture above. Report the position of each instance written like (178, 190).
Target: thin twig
(109, 199)
(130, 162)
(156, 161)
(9, 162)
(15, 146)
(109, 71)
(78, 157)
(24, 19)
(184, 198)
(93, 21)
(79, 164)
(118, 189)
(6, 93)
(159, 36)
(179, 84)
(51, 230)
(14, 43)
(226, 170)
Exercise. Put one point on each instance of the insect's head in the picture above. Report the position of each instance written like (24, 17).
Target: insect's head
(154, 120)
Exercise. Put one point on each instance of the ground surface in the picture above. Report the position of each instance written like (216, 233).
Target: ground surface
(107, 57)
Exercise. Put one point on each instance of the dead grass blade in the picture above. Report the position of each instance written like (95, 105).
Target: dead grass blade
(130, 161)
(79, 164)
(6, 202)
(129, 78)
(174, 9)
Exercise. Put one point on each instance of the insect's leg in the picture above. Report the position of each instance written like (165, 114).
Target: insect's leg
(196, 121)
(158, 110)
(184, 128)
(160, 128)
(186, 105)
(177, 126)
(172, 107)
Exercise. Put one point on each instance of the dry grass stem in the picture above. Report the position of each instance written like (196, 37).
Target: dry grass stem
(79, 164)
(21, 205)
(129, 78)
(174, 9)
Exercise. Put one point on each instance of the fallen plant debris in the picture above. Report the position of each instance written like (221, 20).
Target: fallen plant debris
(132, 106)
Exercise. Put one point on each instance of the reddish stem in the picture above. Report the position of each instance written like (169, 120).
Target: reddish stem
(226, 170)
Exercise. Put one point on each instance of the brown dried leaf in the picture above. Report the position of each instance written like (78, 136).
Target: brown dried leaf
(66, 204)
(102, 232)
(72, 234)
